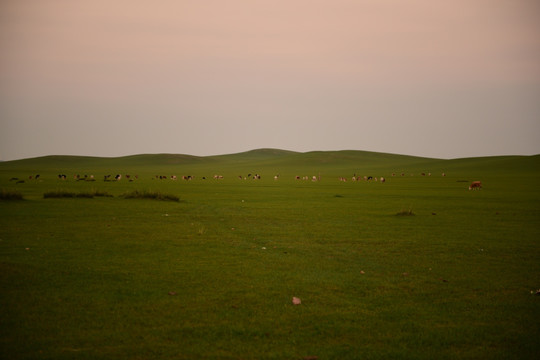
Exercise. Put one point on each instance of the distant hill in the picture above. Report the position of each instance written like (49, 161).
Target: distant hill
(276, 160)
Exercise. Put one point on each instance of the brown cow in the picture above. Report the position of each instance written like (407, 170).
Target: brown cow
(475, 185)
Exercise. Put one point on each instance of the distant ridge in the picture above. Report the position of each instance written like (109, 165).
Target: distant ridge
(282, 161)
(256, 154)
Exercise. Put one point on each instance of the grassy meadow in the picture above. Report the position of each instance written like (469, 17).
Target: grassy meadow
(417, 267)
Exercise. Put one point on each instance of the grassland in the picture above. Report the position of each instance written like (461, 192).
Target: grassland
(212, 276)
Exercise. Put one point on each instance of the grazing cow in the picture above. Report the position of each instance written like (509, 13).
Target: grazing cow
(297, 177)
(118, 177)
(370, 178)
(383, 179)
(476, 185)
(173, 177)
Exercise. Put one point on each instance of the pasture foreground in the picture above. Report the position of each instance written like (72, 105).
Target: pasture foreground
(213, 276)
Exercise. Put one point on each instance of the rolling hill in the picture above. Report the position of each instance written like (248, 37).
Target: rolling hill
(280, 161)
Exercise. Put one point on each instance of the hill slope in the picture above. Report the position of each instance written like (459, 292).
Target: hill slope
(281, 161)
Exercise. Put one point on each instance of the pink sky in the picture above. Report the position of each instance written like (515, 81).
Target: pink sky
(422, 77)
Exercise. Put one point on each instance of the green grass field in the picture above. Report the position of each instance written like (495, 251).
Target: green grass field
(212, 276)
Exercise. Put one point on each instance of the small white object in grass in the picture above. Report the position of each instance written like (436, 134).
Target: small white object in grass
(296, 301)
(166, 215)
(264, 248)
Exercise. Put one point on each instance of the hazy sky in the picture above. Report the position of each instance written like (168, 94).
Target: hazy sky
(432, 78)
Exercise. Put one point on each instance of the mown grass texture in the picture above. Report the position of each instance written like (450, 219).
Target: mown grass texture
(213, 276)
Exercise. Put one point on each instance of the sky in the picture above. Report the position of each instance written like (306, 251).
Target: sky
(433, 78)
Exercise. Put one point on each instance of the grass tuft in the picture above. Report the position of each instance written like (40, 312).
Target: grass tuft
(405, 212)
(10, 195)
(58, 194)
(201, 230)
(100, 193)
(147, 194)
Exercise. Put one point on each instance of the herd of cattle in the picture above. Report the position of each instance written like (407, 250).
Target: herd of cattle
(475, 185)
